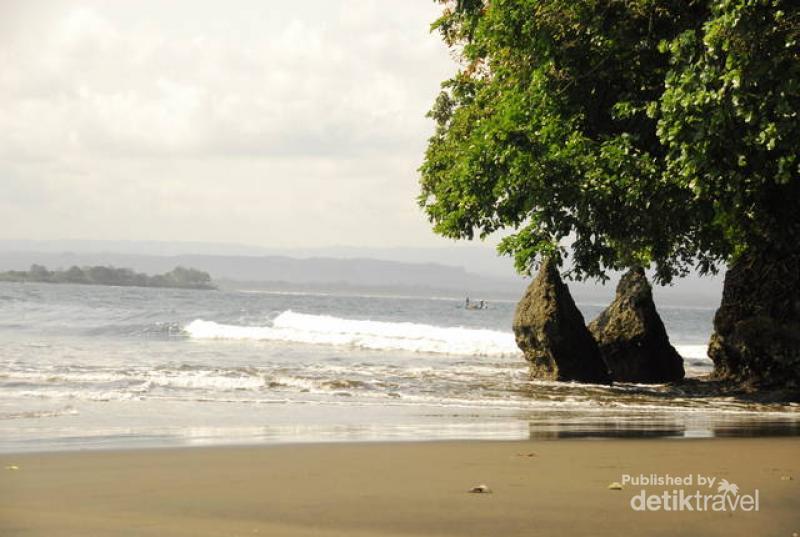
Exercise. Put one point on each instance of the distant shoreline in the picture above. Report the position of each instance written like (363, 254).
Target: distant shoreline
(196, 288)
(178, 278)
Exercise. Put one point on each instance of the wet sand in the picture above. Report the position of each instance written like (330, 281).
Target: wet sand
(539, 488)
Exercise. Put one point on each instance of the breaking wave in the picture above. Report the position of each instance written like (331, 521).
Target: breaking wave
(694, 352)
(373, 335)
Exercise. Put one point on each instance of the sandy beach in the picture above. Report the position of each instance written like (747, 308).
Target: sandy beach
(537, 488)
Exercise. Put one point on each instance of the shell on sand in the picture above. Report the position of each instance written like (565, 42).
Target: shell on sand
(615, 486)
(480, 489)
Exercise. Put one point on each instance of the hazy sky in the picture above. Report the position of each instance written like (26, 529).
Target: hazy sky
(272, 123)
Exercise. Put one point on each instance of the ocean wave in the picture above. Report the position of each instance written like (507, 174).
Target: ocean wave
(32, 414)
(451, 385)
(695, 352)
(294, 327)
(373, 335)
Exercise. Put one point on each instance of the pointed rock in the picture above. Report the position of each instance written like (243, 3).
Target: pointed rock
(550, 330)
(756, 337)
(632, 337)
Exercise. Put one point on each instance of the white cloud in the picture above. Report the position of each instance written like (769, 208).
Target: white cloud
(264, 122)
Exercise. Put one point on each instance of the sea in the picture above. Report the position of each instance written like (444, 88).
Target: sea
(93, 367)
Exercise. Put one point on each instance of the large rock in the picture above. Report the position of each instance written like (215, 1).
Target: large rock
(756, 336)
(632, 338)
(551, 332)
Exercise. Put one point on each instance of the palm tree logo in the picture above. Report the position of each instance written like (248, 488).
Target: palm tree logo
(726, 487)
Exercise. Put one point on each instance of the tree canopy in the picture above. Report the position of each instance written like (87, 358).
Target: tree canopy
(660, 133)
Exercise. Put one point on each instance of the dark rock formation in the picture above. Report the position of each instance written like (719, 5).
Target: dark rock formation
(756, 336)
(632, 338)
(551, 332)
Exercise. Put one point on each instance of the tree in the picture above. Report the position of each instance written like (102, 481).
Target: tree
(39, 273)
(643, 132)
(728, 119)
(73, 274)
(188, 277)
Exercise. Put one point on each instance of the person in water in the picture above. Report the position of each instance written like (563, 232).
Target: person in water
(481, 305)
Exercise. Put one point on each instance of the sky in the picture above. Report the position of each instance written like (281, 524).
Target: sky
(271, 123)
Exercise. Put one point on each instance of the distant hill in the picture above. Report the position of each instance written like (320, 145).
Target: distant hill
(477, 258)
(451, 271)
(285, 272)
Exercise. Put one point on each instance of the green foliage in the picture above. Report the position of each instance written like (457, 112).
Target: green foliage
(592, 121)
(729, 121)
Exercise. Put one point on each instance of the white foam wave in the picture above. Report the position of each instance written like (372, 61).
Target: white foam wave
(30, 414)
(207, 381)
(698, 352)
(695, 359)
(374, 335)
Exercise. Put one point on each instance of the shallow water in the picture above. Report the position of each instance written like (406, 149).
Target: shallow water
(84, 367)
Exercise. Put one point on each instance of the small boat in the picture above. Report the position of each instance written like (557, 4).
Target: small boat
(479, 305)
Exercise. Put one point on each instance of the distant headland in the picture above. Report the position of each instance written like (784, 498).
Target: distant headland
(179, 277)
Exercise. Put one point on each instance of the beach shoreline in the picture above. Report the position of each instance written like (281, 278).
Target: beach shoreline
(538, 487)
